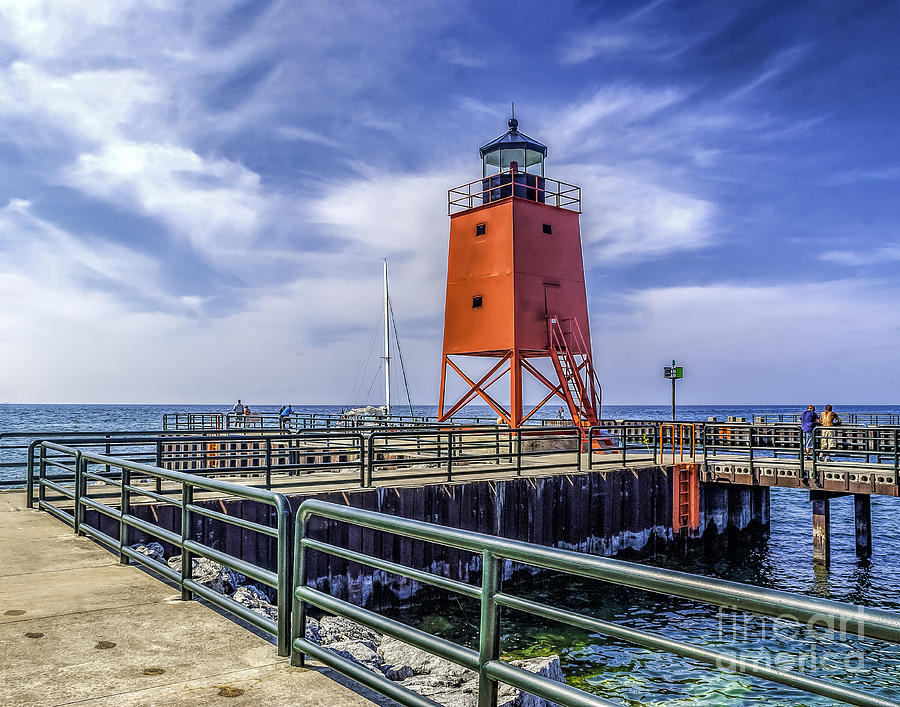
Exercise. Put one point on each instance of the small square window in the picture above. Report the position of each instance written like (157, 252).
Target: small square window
(548, 228)
(480, 229)
(477, 301)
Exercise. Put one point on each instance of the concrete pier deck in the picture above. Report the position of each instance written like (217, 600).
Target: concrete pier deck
(77, 627)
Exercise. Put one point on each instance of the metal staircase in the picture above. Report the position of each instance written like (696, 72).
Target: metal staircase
(579, 385)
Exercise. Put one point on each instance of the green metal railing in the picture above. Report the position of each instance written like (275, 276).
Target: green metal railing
(455, 453)
(73, 496)
(486, 661)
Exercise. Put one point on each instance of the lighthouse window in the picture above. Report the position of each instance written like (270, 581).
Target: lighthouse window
(480, 229)
(477, 301)
(548, 228)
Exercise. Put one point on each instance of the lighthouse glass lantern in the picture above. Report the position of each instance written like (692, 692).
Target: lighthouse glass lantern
(513, 161)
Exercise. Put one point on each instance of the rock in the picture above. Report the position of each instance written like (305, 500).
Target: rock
(255, 600)
(435, 678)
(362, 652)
(153, 550)
(547, 666)
(312, 630)
(211, 574)
(436, 624)
(463, 693)
(402, 660)
(336, 629)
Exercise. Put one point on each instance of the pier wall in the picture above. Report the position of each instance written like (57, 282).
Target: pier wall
(613, 512)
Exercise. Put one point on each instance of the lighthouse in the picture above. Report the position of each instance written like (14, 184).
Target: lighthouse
(516, 296)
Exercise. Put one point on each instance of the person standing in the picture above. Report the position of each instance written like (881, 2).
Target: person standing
(808, 422)
(829, 420)
(238, 411)
(284, 415)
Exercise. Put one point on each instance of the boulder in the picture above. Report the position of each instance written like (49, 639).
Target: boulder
(362, 652)
(211, 574)
(402, 661)
(547, 666)
(256, 600)
(153, 550)
(336, 629)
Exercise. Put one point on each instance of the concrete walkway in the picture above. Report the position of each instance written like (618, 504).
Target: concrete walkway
(78, 627)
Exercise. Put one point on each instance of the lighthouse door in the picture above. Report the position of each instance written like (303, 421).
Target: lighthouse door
(551, 299)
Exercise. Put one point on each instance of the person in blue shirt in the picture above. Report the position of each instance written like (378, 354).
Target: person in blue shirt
(285, 414)
(808, 422)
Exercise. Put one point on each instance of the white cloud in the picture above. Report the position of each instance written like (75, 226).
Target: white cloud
(764, 344)
(399, 216)
(55, 257)
(213, 203)
(598, 121)
(596, 41)
(629, 215)
(89, 106)
(618, 37)
(856, 176)
(868, 256)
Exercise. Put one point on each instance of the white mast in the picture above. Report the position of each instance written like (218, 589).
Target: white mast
(387, 344)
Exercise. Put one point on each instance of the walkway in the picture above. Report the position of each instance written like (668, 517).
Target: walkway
(77, 627)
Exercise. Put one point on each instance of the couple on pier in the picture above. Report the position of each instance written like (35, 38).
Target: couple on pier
(809, 420)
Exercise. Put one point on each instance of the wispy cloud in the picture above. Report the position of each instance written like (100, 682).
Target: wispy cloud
(859, 175)
(864, 256)
(626, 34)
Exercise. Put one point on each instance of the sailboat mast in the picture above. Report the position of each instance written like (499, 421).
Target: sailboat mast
(387, 344)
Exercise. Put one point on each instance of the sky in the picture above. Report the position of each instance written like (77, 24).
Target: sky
(195, 197)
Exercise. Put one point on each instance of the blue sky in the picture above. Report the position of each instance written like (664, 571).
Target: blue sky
(195, 197)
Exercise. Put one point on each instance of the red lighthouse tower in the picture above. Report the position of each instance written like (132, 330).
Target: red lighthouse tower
(515, 286)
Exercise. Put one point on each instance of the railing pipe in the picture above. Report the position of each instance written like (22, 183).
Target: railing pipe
(29, 473)
(489, 629)
(124, 510)
(80, 486)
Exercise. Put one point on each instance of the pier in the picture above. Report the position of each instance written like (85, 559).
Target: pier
(712, 474)
(347, 520)
(79, 626)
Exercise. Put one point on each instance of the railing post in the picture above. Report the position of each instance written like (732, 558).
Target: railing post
(752, 470)
(42, 472)
(187, 498)
(815, 472)
(108, 451)
(284, 516)
(489, 629)
(79, 509)
(449, 455)
(518, 452)
(125, 508)
(624, 438)
(268, 462)
(590, 449)
(370, 460)
(361, 449)
(298, 623)
(29, 474)
(896, 458)
(158, 463)
(580, 442)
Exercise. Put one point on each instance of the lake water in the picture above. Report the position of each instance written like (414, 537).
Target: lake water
(634, 675)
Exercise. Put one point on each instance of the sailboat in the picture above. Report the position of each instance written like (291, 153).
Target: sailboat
(389, 322)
